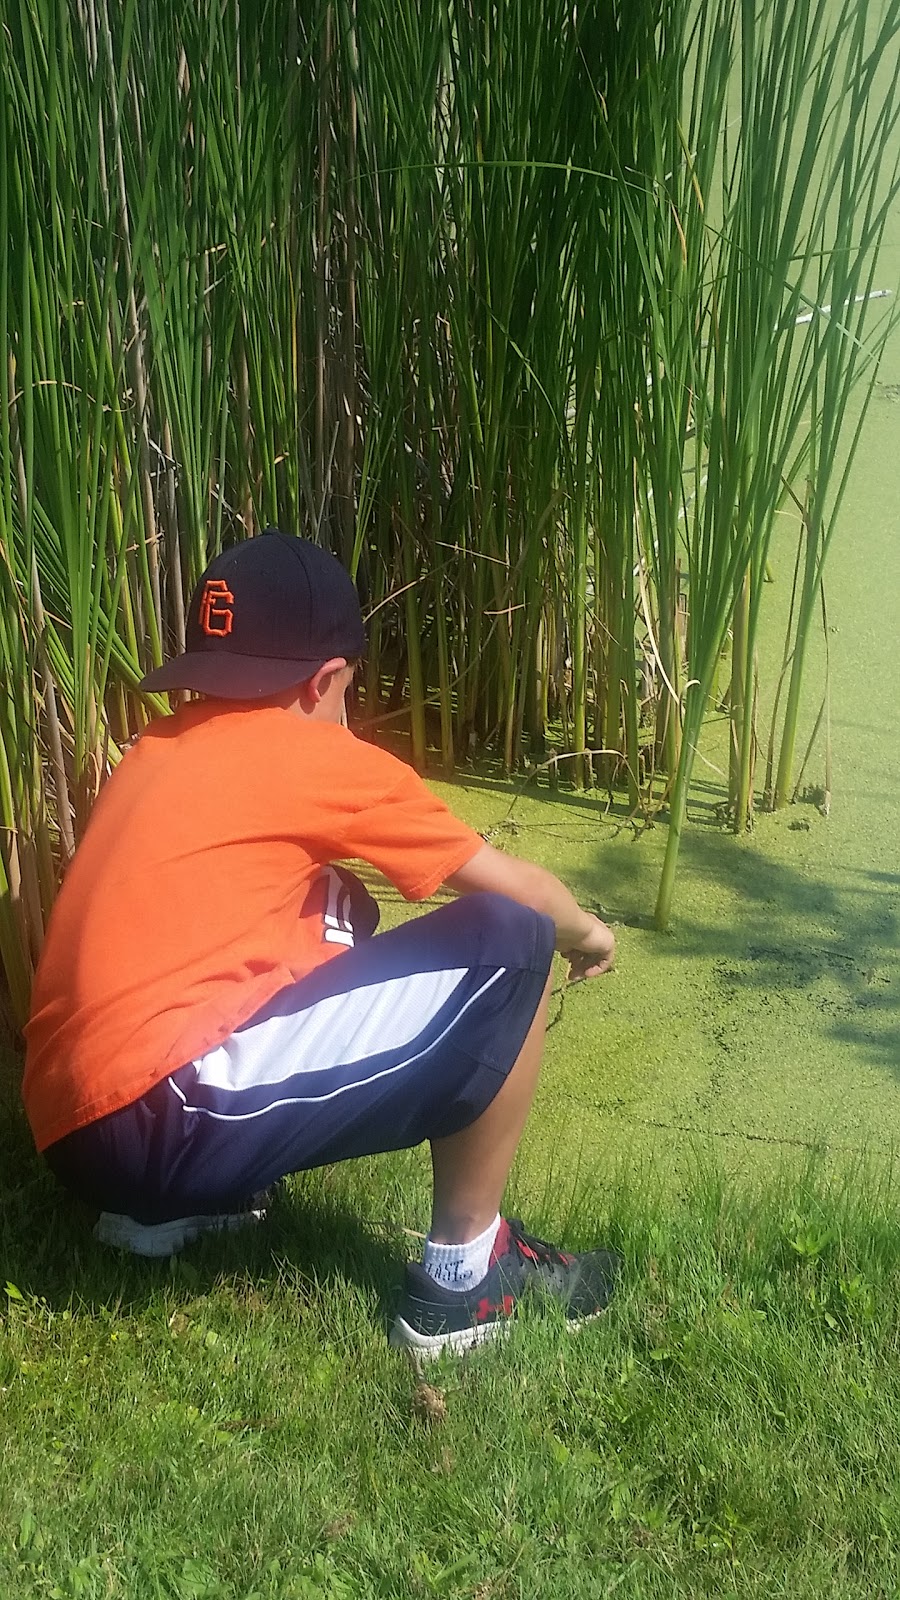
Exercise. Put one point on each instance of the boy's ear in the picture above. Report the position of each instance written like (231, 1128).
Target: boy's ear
(318, 685)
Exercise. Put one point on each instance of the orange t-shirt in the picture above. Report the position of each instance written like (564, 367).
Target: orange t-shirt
(179, 915)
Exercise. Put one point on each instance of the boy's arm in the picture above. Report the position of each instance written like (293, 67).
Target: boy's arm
(588, 942)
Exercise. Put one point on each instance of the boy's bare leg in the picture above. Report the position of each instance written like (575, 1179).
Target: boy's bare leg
(471, 1167)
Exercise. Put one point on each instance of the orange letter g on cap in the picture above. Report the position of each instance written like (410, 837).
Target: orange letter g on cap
(215, 608)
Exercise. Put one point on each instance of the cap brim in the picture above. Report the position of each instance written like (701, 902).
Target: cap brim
(232, 677)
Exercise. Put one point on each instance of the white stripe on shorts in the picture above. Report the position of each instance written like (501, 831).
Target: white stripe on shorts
(334, 1032)
(346, 1088)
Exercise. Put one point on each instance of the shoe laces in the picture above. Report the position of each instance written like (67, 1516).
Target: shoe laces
(537, 1250)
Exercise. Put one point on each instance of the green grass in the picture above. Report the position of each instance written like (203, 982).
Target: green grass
(233, 1424)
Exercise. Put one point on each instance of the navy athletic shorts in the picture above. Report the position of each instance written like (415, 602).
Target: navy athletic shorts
(405, 1036)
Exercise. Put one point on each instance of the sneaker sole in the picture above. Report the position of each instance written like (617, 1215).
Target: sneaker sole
(166, 1238)
(403, 1336)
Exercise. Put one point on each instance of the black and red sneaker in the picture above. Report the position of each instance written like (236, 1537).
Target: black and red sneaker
(432, 1318)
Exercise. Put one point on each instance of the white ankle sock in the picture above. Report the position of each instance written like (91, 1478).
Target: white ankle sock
(460, 1266)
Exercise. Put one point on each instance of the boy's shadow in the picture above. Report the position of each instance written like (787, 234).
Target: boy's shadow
(47, 1250)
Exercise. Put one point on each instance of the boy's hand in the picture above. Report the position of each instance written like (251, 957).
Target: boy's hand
(586, 942)
(593, 955)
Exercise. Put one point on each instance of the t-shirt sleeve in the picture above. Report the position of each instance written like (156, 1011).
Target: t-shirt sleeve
(412, 837)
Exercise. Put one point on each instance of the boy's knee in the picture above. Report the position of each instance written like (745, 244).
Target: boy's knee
(510, 934)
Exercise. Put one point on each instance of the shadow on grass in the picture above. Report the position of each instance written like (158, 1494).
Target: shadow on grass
(315, 1233)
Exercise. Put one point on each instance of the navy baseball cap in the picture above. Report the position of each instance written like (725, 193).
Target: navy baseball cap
(266, 615)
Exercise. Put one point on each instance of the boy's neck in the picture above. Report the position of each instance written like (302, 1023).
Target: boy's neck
(320, 699)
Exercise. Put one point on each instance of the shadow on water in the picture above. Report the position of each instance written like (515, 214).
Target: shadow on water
(822, 933)
(706, 797)
(770, 928)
